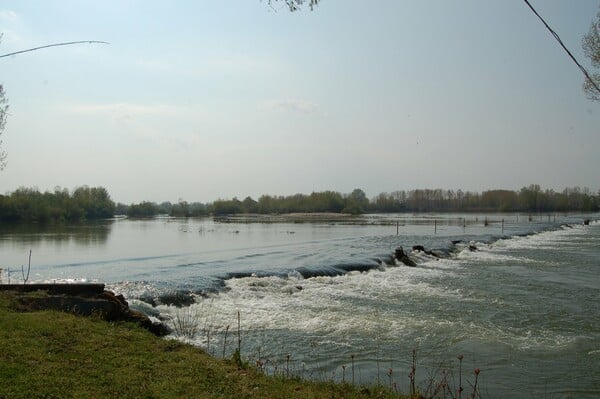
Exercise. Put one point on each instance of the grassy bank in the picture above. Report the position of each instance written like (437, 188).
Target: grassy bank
(48, 354)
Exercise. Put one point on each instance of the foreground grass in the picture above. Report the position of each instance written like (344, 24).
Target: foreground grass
(58, 355)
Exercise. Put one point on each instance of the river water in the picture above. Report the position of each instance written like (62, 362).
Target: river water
(518, 297)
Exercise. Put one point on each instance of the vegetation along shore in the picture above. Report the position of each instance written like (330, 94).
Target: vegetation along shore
(85, 203)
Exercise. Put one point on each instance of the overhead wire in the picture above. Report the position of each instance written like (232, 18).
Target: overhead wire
(558, 39)
(53, 45)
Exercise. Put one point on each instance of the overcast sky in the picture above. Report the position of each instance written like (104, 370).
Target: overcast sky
(202, 100)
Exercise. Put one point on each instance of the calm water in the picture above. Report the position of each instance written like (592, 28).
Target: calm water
(524, 307)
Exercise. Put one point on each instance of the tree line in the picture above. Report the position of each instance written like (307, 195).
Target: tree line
(30, 205)
(528, 199)
(146, 209)
(85, 203)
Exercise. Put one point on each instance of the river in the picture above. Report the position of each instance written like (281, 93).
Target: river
(516, 296)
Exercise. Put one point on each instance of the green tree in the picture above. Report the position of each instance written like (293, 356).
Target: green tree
(29, 205)
(95, 202)
(197, 209)
(249, 205)
(529, 198)
(180, 209)
(591, 48)
(144, 209)
(356, 202)
(121, 209)
(226, 207)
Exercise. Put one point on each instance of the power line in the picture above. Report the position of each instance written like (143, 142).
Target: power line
(585, 72)
(53, 45)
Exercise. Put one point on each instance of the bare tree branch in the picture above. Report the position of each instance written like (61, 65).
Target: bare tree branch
(295, 5)
(591, 48)
(3, 110)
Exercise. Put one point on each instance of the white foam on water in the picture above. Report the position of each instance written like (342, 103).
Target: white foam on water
(134, 289)
(543, 240)
(445, 265)
(485, 253)
(354, 303)
(500, 250)
(542, 339)
(66, 281)
(375, 303)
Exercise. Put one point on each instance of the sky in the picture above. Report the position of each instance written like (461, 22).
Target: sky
(201, 100)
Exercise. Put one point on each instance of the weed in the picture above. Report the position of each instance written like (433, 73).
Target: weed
(460, 388)
(186, 323)
(413, 372)
(26, 277)
(476, 371)
(239, 331)
(225, 341)
(237, 359)
(352, 359)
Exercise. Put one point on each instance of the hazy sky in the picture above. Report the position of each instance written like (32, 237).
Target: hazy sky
(213, 99)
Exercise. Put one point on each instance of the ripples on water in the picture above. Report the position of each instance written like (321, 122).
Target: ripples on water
(523, 307)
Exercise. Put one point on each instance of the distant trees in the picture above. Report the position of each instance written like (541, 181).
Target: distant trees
(389, 202)
(227, 207)
(144, 209)
(356, 202)
(591, 48)
(324, 201)
(528, 199)
(30, 205)
(91, 203)
(94, 201)
(147, 209)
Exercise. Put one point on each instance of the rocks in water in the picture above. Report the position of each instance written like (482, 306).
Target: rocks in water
(144, 307)
(586, 222)
(399, 253)
(177, 298)
(387, 260)
(471, 246)
(422, 249)
(402, 257)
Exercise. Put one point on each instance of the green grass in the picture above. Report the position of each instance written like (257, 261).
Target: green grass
(59, 355)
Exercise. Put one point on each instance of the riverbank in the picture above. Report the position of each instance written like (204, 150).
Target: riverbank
(54, 354)
(82, 299)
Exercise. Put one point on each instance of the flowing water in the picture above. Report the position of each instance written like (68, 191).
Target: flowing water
(519, 299)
